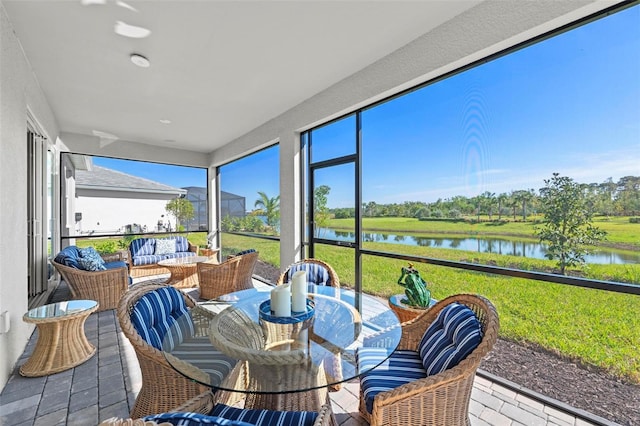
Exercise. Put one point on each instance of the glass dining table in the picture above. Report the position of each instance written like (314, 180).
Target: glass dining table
(230, 344)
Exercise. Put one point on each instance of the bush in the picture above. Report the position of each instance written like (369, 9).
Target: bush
(634, 220)
(107, 247)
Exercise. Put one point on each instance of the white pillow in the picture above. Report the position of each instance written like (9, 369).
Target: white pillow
(165, 246)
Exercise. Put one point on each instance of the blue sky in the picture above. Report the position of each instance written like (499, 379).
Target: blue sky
(569, 104)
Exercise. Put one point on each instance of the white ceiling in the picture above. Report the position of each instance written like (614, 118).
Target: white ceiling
(218, 68)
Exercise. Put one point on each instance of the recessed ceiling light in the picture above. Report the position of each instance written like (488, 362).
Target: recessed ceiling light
(126, 30)
(126, 6)
(165, 121)
(140, 60)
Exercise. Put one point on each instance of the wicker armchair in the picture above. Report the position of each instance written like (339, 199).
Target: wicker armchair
(233, 274)
(216, 279)
(248, 260)
(443, 398)
(311, 266)
(163, 388)
(105, 287)
(206, 401)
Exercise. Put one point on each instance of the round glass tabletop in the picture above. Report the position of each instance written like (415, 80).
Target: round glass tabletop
(60, 309)
(220, 337)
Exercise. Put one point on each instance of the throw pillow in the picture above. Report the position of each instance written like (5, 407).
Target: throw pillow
(454, 334)
(165, 246)
(90, 260)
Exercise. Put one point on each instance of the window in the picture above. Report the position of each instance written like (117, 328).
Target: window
(250, 205)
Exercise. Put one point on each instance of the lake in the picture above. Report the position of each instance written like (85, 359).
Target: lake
(478, 244)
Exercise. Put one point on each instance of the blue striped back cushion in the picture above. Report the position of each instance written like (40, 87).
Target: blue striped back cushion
(142, 247)
(265, 417)
(181, 243)
(454, 334)
(387, 373)
(193, 419)
(240, 253)
(155, 313)
(316, 274)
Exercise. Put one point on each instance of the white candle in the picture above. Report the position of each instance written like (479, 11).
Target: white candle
(299, 292)
(281, 301)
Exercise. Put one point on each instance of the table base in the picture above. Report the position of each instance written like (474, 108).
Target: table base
(183, 276)
(266, 376)
(61, 345)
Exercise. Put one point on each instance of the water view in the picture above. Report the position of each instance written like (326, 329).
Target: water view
(478, 244)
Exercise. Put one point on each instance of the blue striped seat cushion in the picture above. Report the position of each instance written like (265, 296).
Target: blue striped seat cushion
(400, 368)
(179, 254)
(198, 351)
(155, 312)
(316, 274)
(454, 334)
(193, 419)
(265, 417)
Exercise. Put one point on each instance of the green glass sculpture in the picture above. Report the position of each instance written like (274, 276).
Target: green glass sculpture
(415, 287)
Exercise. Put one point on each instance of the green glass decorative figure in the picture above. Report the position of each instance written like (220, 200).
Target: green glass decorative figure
(415, 287)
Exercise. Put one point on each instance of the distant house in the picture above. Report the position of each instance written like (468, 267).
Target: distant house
(108, 201)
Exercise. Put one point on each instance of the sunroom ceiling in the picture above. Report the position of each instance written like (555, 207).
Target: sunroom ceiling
(218, 68)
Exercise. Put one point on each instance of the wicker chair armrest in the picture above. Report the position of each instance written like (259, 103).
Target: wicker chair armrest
(193, 247)
(115, 421)
(112, 257)
(202, 403)
(325, 416)
(429, 385)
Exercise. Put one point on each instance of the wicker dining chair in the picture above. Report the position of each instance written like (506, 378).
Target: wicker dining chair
(438, 399)
(318, 272)
(185, 414)
(163, 388)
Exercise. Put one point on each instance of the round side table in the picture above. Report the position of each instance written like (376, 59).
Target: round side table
(405, 312)
(61, 343)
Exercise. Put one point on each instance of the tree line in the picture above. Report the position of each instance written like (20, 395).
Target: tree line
(609, 198)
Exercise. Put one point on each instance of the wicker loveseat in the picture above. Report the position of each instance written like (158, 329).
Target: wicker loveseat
(106, 285)
(145, 253)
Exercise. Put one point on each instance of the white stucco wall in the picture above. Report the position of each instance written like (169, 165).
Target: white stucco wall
(110, 215)
(18, 91)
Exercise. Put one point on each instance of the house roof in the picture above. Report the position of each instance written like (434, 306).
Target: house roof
(102, 178)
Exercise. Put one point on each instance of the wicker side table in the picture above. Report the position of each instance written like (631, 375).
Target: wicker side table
(208, 252)
(405, 312)
(61, 343)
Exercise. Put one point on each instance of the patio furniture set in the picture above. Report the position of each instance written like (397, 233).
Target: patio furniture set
(200, 362)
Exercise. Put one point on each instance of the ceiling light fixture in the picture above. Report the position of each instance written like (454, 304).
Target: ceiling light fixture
(131, 31)
(140, 60)
(165, 121)
(126, 6)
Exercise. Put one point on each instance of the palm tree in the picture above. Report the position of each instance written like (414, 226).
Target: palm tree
(269, 207)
